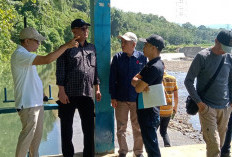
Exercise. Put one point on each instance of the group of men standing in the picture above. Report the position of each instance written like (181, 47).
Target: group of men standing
(131, 72)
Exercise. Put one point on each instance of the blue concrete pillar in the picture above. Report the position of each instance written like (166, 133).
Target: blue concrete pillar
(104, 131)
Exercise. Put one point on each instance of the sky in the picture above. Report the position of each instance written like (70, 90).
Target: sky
(197, 12)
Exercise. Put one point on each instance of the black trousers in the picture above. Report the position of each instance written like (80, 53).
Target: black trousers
(85, 106)
(149, 121)
(164, 121)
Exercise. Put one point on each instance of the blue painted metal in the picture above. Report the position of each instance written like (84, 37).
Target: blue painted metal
(6, 101)
(50, 93)
(5, 97)
(13, 110)
(104, 141)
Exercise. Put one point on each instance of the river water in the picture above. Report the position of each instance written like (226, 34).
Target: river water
(182, 95)
(51, 143)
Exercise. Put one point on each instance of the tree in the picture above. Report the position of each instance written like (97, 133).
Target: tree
(117, 21)
(7, 15)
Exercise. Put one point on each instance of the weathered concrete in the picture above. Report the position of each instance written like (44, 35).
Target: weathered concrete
(190, 51)
(176, 151)
(182, 146)
(172, 56)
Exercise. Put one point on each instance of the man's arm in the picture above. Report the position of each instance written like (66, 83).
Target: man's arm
(112, 78)
(62, 95)
(194, 70)
(141, 86)
(135, 80)
(175, 100)
(97, 93)
(230, 87)
(40, 60)
(113, 82)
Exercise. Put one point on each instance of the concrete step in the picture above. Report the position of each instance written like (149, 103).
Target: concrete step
(196, 150)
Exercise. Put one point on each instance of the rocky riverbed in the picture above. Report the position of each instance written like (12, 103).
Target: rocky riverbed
(181, 120)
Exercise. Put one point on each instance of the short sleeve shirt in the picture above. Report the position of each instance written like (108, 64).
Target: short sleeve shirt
(152, 74)
(28, 88)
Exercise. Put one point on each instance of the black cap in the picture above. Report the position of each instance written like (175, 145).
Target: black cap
(155, 40)
(225, 38)
(79, 23)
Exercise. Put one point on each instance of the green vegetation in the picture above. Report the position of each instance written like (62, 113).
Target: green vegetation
(143, 25)
(52, 18)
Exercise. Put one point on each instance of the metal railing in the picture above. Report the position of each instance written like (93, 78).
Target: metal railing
(5, 110)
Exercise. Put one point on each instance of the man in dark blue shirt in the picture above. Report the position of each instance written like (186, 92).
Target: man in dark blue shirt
(124, 66)
(151, 74)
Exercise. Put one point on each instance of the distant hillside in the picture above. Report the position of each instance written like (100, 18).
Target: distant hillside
(52, 18)
(143, 25)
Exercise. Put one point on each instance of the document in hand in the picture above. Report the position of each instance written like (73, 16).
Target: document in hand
(154, 97)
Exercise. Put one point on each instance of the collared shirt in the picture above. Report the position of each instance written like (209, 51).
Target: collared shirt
(152, 74)
(77, 70)
(28, 87)
(122, 70)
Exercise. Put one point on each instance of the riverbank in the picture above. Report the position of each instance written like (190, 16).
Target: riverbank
(184, 138)
(181, 121)
(180, 130)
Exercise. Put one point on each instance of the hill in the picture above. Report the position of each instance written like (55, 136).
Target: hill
(53, 17)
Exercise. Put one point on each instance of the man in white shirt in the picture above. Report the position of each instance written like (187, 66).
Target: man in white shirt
(28, 88)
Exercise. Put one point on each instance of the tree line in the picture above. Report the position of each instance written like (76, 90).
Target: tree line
(53, 17)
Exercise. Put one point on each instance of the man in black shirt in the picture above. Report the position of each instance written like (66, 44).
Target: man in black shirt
(151, 74)
(76, 74)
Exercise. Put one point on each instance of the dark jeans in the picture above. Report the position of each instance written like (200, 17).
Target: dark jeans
(164, 121)
(226, 147)
(149, 121)
(85, 106)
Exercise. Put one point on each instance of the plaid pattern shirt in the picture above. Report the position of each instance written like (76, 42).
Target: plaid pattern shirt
(76, 70)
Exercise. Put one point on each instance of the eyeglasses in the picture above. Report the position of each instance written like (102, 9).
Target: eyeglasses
(126, 42)
(38, 42)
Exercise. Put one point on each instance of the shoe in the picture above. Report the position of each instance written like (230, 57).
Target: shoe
(225, 155)
(122, 155)
(139, 155)
(167, 145)
(166, 141)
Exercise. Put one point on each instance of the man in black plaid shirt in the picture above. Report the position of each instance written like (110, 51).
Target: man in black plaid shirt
(76, 74)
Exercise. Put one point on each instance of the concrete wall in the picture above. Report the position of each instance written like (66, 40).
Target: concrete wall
(190, 51)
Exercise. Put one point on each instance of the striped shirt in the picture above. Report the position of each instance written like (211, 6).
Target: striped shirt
(170, 86)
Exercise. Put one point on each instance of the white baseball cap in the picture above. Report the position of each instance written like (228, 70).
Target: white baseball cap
(129, 36)
(31, 33)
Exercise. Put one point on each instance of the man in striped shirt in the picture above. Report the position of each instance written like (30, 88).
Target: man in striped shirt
(166, 112)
